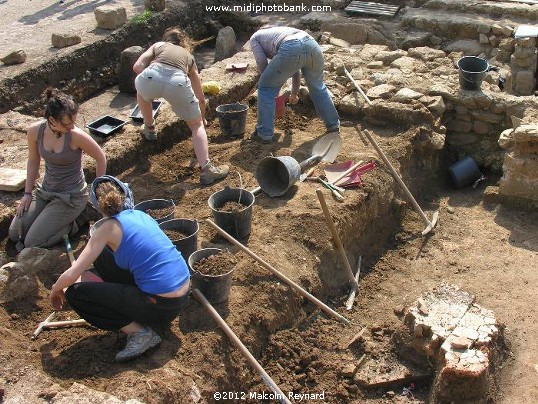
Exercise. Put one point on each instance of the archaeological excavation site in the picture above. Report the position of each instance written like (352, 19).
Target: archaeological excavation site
(393, 261)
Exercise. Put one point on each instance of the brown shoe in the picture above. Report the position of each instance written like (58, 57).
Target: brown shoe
(211, 173)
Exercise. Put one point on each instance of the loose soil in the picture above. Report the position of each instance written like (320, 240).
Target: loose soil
(175, 235)
(232, 207)
(216, 264)
(487, 249)
(160, 213)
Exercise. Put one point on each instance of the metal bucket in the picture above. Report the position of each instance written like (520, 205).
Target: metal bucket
(276, 175)
(216, 288)
(187, 244)
(157, 204)
(232, 118)
(237, 224)
(472, 71)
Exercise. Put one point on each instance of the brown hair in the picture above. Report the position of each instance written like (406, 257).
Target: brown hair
(110, 198)
(59, 104)
(179, 37)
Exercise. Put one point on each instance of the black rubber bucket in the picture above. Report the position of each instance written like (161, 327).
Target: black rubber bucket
(239, 223)
(215, 288)
(232, 118)
(472, 71)
(464, 172)
(276, 175)
(187, 227)
(155, 204)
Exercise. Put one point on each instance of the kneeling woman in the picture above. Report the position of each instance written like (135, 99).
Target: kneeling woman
(145, 279)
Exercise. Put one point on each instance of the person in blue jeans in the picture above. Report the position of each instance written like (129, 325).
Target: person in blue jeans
(291, 52)
(145, 280)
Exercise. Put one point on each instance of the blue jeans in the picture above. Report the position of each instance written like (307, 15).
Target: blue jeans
(294, 54)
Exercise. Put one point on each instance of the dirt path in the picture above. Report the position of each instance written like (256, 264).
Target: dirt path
(29, 25)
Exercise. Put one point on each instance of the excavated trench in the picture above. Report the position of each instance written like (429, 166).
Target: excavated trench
(288, 335)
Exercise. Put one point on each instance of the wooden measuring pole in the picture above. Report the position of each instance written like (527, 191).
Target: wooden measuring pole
(336, 239)
(351, 298)
(239, 345)
(278, 274)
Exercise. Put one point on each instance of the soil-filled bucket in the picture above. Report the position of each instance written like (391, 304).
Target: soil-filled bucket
(159, 209)
(232, 118)
(183, 233)
(472, 71)
(275, 175)
(464, 172)
(234, 220)
(215, 288)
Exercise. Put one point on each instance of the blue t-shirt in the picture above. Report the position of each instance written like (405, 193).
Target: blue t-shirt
(155, 263)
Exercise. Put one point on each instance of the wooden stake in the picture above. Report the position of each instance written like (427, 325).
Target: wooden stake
(336, 238)
(278, 274)
(352, 292)
(239, 345)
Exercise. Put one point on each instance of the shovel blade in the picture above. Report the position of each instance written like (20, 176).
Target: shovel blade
(334, 140)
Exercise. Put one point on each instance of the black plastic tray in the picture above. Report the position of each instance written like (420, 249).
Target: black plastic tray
(137, 116)
(105, 126)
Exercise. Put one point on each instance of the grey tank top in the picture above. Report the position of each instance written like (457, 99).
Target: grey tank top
(63, 170)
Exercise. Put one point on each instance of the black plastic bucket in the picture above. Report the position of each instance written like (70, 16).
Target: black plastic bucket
(232, 118)
(276, 175)
(215, 288)
(237, 224)
(472, 70)
(154, 204)
(187, 244)
(464, 172)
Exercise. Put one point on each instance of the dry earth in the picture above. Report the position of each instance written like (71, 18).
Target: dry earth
(485, 248)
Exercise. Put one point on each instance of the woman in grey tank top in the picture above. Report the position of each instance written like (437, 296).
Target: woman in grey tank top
(46, 214)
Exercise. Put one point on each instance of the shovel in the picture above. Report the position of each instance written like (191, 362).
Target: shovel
(326, 149)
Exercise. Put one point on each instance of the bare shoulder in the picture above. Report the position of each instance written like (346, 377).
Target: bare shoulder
(33, 129)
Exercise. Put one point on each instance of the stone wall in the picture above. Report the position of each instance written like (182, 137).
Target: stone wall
(519, 183)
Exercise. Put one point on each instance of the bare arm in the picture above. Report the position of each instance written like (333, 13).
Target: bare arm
(145, 59)
(32, 168)
(107, 233)
(85, 142)
(196, 83)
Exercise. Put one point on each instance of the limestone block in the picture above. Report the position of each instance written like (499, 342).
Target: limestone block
(524, 83)
(528, 42)
(21, 283)
(406, 95)
(374, 65)
(110, 17)
(507, 44)
(65, 40)
(497, 29)
(507, 30)
(506, 139)
(483, 39)
(464, 117)
(425, 53)
(381, 91)
(435, 104)
(526, 134)
(408, 64)
(460, 126)
(528, 63)
(522, 52)
(484, 28)
(225, 45)
(482, 128)
(14, 58)
(351, 104)
(339, 42)
(126, 75)
(387, 57)
(487, 116)
(351, 33)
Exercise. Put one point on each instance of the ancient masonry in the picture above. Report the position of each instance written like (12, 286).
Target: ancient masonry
(461, 339)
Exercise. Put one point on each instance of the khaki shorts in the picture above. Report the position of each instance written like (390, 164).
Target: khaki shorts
(171, 84)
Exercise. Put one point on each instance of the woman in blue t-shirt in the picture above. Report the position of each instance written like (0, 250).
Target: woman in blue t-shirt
(145, 278)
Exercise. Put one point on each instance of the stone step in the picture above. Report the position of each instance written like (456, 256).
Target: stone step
(461, 20)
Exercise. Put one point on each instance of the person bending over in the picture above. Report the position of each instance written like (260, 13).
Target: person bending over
(168, 70)
(145, 278)
(45, 214)
(291, 52)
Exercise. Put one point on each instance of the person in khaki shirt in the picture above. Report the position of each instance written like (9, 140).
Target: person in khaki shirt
(168, 70)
